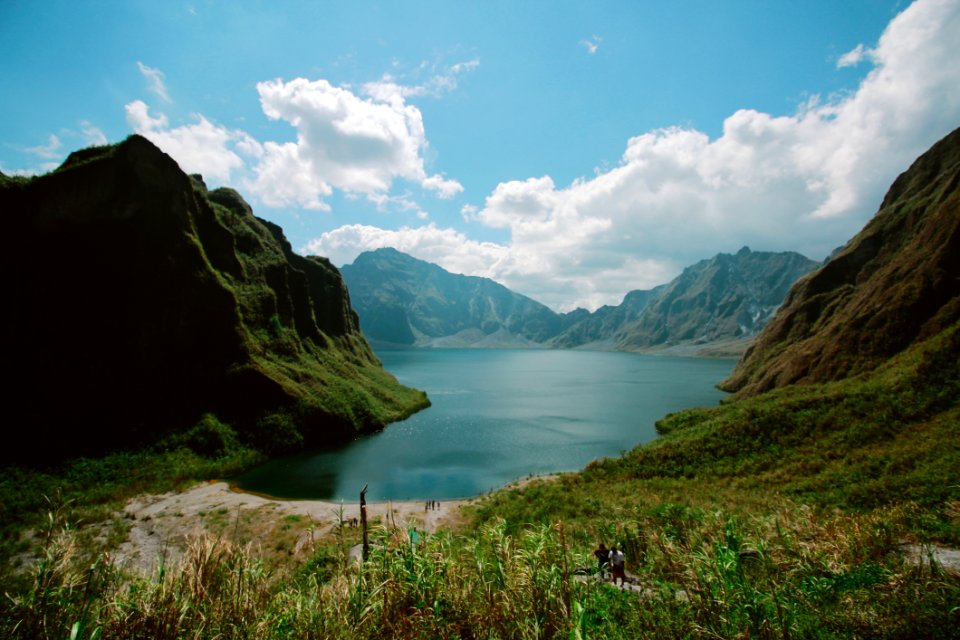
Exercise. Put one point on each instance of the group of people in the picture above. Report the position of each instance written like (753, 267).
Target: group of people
(614, 559)
(433, 504)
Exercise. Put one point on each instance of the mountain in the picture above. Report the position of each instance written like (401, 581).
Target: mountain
(402, 300)
(137, 301)
(894, 284)
(405, 301)
(597, 329)
(725, 297)
(728, 297)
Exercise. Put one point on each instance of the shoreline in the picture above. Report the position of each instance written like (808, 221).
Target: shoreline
(516, 483)
(161, 524)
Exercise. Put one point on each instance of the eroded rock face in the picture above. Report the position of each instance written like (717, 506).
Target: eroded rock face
(727, 296)
(406, 301)
(896, 282)
(137, 300)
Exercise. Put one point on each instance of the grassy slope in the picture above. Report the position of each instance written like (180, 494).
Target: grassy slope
(889, 438)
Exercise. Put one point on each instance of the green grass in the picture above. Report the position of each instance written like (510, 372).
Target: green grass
(779, 516)
(86, 490)
(792, 574)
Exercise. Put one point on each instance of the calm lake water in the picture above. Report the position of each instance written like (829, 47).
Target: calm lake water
(499, 415)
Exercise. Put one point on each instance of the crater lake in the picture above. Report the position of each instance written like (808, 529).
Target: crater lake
(497, 416)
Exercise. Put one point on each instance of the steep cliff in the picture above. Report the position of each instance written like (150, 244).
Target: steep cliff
(137, 301)
(894, 284)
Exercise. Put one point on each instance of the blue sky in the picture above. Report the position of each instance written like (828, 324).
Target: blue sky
(573, 151)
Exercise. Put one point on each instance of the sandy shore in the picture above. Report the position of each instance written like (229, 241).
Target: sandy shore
(159, 524)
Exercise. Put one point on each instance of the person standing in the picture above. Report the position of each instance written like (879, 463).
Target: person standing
(618, 563)
(602, 554)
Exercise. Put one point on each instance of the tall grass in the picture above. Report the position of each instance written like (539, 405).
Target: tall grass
(795, 573)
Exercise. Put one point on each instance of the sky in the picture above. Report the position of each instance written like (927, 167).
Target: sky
(572, 151)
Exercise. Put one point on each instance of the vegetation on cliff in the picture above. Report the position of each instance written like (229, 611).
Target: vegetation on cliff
(894, 283)
(139, 301)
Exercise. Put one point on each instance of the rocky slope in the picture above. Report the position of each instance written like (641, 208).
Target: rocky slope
(405, 301)
(138, 301)
(597, 329)
(894, 284)
(728, 297)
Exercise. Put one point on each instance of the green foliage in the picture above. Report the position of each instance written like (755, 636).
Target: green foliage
(205, 311)
(788, 574)
(210, 438)
(276, 433)
(86, 489)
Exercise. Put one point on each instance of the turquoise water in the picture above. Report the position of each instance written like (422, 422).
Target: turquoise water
(499, 415)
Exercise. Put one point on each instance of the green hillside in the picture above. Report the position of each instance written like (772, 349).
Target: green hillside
(140, 301)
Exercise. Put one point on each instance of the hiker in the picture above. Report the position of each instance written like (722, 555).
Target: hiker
(414, 536)
(602, 554)
(617, 562)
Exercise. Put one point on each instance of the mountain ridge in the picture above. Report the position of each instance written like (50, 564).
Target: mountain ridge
(405, 301)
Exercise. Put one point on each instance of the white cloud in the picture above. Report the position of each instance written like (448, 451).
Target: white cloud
(449, 248)
(344, 142)
(445, 189)
(92, 135)
(201, 147)
(592, 44)
(155, 81)
(806, 182)
(439, 80)
(853, 57)
(360, 146)
(48, 151)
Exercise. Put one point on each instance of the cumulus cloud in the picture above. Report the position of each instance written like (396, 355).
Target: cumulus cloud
(201, 147)
(156, 81)
(344, 142)
(449, 248)
(806, 181)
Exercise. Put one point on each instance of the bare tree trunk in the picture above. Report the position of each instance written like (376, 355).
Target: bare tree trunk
(363, 521)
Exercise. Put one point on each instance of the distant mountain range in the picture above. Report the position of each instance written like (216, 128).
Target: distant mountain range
(729, 298)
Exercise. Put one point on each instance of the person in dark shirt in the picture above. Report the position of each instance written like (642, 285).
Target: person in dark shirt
(602, 555)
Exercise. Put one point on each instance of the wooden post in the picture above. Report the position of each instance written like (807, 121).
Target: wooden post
(363, 521)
